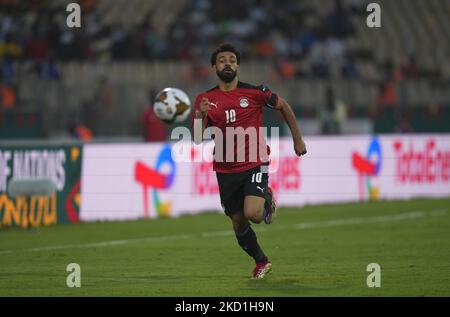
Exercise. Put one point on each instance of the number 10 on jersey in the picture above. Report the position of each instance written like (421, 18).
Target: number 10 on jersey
(231, 115)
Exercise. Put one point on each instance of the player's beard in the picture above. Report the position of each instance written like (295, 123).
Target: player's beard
(227, 76)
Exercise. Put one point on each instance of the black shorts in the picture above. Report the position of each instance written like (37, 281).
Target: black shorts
(233, 187)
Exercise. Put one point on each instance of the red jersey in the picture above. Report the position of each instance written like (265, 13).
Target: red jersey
(241, 109)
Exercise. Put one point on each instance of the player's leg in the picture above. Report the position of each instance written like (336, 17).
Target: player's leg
(259, 203)
(231, 189)
(249, 243)
(246, 237)
(254, 208)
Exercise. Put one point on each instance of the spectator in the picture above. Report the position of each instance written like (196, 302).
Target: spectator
(331, 115)
(7, 97)
(49, 69)
(339, 20)
(285, 69)
(386, 95)
(154, 129)
(349, 69)
(6, 70)
(410, 67)
(81, 132)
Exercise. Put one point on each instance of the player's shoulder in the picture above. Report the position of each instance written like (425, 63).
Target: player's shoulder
(259, 88)
(208, 92)
(211, 90)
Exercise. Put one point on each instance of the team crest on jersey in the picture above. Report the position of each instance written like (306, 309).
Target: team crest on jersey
(243, 102)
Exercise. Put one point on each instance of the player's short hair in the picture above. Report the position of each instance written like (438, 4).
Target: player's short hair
(226, 47)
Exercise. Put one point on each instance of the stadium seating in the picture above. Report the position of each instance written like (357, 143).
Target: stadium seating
(410, 29)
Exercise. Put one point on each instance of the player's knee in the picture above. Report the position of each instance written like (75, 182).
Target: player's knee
(239, 222)
(254, 213)
(240, 226)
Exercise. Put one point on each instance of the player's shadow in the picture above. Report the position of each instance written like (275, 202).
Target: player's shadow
(287, 287)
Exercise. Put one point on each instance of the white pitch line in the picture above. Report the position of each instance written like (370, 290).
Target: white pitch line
(301, 226)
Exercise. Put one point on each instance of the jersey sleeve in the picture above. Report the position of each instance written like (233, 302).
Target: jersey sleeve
(269, 98)
(197, 107)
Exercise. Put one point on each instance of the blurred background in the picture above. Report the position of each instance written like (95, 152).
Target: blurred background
(340, 76)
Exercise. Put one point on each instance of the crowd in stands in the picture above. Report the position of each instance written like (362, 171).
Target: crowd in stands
(37, 31)
(287, 34)
(283, 31)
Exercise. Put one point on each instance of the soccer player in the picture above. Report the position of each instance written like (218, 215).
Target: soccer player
(243, 183)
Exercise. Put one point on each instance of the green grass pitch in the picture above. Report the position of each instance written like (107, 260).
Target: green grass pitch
(315, 250)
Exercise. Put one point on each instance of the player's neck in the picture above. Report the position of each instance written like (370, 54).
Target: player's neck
(228, 86)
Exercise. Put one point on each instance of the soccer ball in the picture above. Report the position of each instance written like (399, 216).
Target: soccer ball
(172, 105)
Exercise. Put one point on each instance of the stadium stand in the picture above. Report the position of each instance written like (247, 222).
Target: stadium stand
(299, 48)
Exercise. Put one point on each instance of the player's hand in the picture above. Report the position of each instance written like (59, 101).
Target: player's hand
(205, 106)
(299, 147)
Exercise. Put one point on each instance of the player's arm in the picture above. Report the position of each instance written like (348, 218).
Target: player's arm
(199, 120)
(291, 120)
